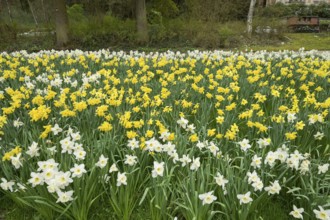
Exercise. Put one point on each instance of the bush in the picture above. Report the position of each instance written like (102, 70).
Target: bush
(280, 10)
(76, 13)
(204, 34)
(276, 27)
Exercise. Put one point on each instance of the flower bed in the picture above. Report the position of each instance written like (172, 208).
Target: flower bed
(196, 135)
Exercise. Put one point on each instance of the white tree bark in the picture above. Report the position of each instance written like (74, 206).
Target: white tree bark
(250, 17)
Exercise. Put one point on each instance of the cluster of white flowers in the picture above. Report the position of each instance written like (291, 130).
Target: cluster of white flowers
(262, 142)
(183, 123)
(48, 171)
(274, 188)
(210, 146)
(56, 180)
(7, 185)
(255, 181)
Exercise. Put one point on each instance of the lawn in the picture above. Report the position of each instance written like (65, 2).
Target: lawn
(295, 41)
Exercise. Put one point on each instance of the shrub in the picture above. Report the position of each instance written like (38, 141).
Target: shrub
(281, 10)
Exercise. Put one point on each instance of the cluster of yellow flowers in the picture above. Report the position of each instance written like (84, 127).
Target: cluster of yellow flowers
(134, 91)
(11, 153)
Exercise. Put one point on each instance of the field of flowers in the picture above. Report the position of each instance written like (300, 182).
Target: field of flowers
(196, 135)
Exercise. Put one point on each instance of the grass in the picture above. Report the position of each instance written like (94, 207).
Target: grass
(10, 211)
(295, 41)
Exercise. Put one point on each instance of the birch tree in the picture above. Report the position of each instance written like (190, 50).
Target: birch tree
(250, 17)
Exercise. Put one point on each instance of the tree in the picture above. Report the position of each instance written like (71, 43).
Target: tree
(62, 23)
(262, 3)
(141, 21)
(24, 5)
(250, 16)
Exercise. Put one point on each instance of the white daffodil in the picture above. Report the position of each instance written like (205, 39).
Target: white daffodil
(252, 177)
(131, 160)
(33, 150)
(207, 198)
(78, 170)
(133, 144)
(274, 188)
(185, 160)
(79, 154)
(244, 198)
(164, 136)
(121, 179)
(67, 145)
(244, 144)
(169, 147)
(256, 161)
(56, 129)
(102, 161)
(64, 197)
(263, 142)
(213, 148)
(258, 185)
(158, 169)
(319, 135)
(323, 168)
(17, 123)
(48, 174)
(191, 128)
(7, 185)
(16, 161)
(221, 180)
(291, 117)
(322, 214)
(183, 122)
(271, 158)
(297, 213)
(152, 144)
(63, 179)
(113, 168)
(195, 164)
(36, 179)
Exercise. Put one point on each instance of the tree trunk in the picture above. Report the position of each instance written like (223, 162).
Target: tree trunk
(62, 23)
(249, 19)
(24, 5)
(141, 21)
(34, 16)
(262, 3)
(9, 12)
(44, 11)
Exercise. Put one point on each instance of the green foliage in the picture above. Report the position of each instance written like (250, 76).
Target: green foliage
(108, 30)
(216, 10)
(280, 10)
(167, 8)
(157, 30)
(121, 8)
(277, 27)
(206, 34)
(76, 13)
(101, 31)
